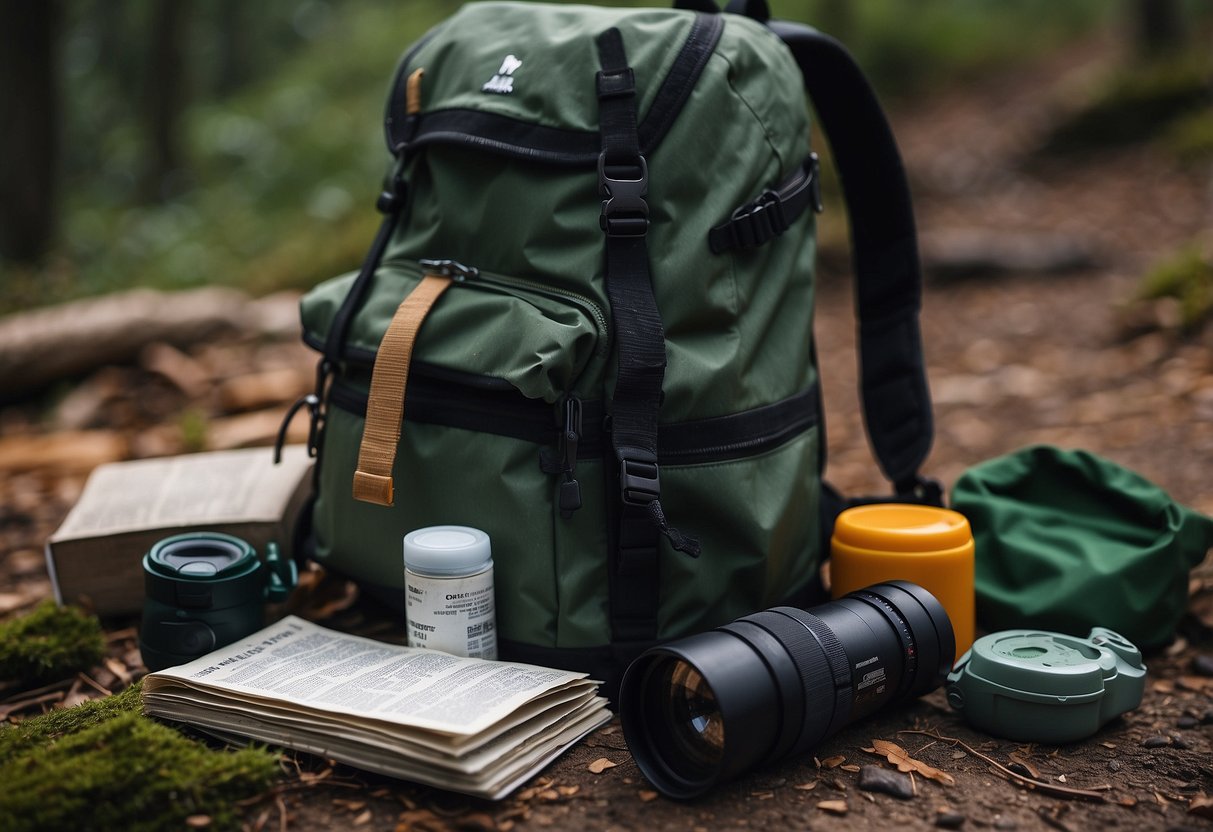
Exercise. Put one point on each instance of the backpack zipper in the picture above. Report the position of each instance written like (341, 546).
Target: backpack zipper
(461, 273)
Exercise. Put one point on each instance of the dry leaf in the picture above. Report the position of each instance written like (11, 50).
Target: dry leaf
(364, 818)
(1108, 744)
(897, 755)
(1162, 801)
(1194, 683)
(834, 807)
(600, 765)
(806, 787)
(1201, 805)
(833, 762)
(647, 795)
(1028, 769)
(762, 795)
(852, 769)
(1163, 686)
(568, 791)
(198, 821)
(1129, 801)
(549, 794)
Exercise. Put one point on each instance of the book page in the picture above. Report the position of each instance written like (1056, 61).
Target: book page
(295, 661)
(205, 489)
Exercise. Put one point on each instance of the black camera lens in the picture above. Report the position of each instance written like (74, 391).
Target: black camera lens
(706, 708)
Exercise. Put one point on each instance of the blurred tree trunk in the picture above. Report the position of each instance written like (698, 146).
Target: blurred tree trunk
(29, 127)
(1159, 26)
(165, 95)
(234, 68)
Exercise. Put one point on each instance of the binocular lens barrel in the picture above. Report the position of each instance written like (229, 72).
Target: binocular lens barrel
(705, 708)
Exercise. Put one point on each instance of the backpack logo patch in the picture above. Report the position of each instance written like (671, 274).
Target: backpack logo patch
(503, 82)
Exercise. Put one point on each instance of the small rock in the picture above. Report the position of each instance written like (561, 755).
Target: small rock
(1187, 722)
(1005, 823)
(1157, 742)
(877, 779)
(1114, 765)
(1179, 742)
(1203, 664)
(949, 820)
(1207, 718)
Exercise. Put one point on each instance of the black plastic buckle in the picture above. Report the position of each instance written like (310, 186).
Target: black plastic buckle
(921, 490)
(625, 213)
(639, 481)
(759, 221)
(815, 184)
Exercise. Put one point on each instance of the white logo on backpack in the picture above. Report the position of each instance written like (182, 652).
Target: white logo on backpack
(503, 81)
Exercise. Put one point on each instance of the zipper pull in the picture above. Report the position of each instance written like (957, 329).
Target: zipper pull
(570, 490)
(453, 269)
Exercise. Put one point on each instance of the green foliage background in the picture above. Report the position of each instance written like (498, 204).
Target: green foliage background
(281, 174)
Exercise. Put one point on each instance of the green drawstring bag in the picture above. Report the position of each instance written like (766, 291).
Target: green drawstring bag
(1068, 541)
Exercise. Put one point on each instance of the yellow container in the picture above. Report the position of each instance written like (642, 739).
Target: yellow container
(932, 547)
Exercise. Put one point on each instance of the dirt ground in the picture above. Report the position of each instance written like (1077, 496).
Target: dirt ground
(1015, 358)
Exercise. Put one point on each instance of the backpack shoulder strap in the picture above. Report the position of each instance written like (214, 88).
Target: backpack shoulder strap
(888, 287)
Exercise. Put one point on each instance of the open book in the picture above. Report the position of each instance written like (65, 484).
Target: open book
(469, 725)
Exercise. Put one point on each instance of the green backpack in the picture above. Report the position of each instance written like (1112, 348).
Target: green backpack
(585, 324)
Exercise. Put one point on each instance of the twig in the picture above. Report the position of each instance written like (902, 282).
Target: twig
(95, 685)
(60, 685)
(1042, 785)
(281, 804)
(14, 707)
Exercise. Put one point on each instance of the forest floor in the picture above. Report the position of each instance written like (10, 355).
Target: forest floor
(1017, 355)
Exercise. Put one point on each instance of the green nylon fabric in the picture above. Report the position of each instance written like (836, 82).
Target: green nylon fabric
(1067, 541)
(737, 325)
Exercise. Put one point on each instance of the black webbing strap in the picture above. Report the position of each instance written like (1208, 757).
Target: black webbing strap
(764, 219)
(888, 290)
(640, 346)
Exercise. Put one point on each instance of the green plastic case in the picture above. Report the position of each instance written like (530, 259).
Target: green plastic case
(1046, 687)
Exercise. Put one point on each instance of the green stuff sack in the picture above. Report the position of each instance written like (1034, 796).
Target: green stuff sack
(585, 325)
(1068, 541)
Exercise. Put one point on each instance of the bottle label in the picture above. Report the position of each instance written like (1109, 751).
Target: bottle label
(454, 615)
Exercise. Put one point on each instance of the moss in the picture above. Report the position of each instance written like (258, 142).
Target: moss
(49, 643)
(1190, 139)
(1137, 104)
(1187, 276)
(40, 731)
(102, 765)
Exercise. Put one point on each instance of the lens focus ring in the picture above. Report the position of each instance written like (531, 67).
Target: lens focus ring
(836, 659)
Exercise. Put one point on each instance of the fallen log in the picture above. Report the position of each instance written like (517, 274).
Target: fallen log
(43, 345)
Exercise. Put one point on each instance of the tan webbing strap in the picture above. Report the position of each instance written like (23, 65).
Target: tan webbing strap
(412, 101)
(385, 405)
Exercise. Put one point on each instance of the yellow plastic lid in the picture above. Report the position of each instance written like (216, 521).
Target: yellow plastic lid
(902, 528)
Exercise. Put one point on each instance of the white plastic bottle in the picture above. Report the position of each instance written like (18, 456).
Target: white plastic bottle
(448, 577)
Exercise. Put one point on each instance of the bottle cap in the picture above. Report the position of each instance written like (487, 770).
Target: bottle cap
(895, 527)
(446, 551)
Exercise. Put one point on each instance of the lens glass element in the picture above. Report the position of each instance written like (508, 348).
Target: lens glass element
(690, 725)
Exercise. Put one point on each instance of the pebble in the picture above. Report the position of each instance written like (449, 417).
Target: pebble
(1203, 664)
(1157, 742)
(1187, 722)
(1114, 765)
(1179, 742)
(877, 779)
(950, 820)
